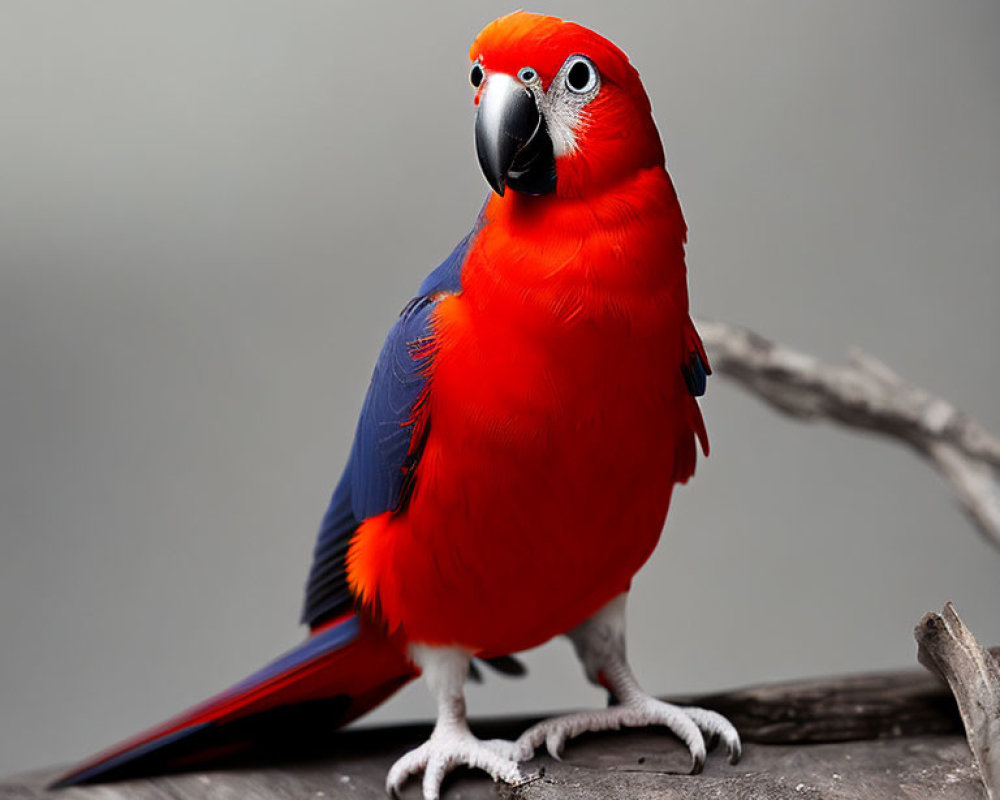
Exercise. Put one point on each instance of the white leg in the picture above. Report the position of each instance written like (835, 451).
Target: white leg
(600, 645)
(452, 743)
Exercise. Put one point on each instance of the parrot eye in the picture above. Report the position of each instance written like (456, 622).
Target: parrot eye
(526, 74)
(476, 76)
(581, 75)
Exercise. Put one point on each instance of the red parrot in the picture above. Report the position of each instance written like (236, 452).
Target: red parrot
(528, 416)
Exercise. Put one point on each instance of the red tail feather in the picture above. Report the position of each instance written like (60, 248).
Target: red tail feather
(343, 670)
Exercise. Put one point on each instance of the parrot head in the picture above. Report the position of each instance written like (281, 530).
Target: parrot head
(559, 108)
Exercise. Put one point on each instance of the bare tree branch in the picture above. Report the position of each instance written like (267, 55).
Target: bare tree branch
(866, 394)
(948, 648)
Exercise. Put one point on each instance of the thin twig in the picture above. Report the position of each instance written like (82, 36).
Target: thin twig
(866, 394)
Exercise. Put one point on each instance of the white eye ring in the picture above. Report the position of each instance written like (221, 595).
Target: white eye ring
(527, 74)
(476, 75)
(581, 75)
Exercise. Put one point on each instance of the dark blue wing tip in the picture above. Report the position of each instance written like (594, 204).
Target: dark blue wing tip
(105, 767)
(332, 638)
(695, 375)
(164, 751)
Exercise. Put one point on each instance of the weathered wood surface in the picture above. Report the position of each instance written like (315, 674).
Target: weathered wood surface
(910, 747)
(631, 764)
(867, 706)
(923, 768)
(948, 648)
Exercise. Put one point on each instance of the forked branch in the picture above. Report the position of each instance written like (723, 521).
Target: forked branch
(868, 395)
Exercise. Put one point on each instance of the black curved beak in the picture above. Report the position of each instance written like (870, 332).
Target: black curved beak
(512, 143)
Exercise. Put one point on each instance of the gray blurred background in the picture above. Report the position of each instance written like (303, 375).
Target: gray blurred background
(210, 213)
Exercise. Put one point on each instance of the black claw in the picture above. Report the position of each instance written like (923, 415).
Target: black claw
(697, 765)
(735, 753)
(712, 743)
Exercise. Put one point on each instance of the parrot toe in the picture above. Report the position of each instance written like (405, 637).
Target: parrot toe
(448, 749)
(717, 727)
(690, 725)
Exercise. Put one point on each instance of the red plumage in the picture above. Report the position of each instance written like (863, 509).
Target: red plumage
(560, 422)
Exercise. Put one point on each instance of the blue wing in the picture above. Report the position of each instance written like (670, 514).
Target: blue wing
(380, 468)
(695, 368)
(696, 372)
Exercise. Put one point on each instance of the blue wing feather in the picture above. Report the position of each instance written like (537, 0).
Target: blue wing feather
(375, 478)
(384, 431)
(695, 375)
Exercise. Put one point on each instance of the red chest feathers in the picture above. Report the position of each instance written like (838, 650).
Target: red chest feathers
(557, 411)
(563, 350)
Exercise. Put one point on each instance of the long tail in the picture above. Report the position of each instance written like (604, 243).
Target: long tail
(344, 669)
